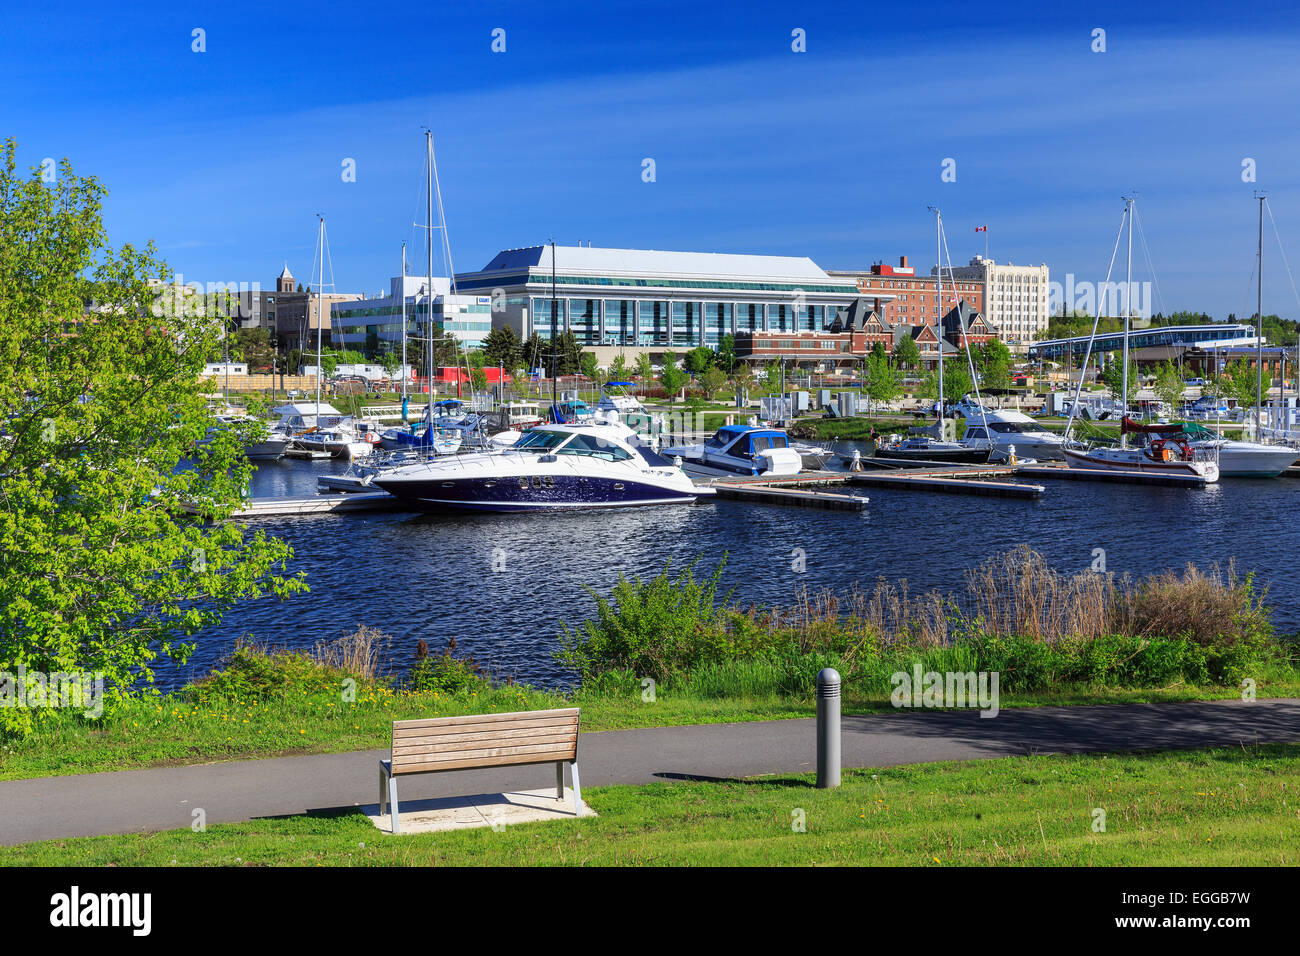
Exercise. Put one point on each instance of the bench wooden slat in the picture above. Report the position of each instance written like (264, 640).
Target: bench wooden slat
(479, 763)
(526, 735)
(414, 733)
(399, 725)
(469, 731)
(484, 757)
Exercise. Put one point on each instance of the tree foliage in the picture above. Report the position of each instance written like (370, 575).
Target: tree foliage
(107, 442)
(907, 354)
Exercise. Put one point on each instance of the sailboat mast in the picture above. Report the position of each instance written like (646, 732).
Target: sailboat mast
(428, 321)
(320, 315)
(1259, 321)
(402, 289)
(1128, 316)
(938, 319)
(555, 317)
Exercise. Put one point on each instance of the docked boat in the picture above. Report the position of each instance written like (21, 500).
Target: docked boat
(740, 450)
(922, 448)
(261, 442)
(441, 441)
(1236, 459)
(551, 467)
(1173, 457)
(320, 427)
(998, 431)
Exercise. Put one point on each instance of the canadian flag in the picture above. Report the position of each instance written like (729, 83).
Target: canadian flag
(981, 228)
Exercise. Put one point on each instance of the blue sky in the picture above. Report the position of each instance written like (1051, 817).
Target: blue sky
(225, 157)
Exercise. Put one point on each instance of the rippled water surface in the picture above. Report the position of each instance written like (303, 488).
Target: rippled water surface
(431, 576)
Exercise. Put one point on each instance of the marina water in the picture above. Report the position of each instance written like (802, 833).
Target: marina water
(432, 577)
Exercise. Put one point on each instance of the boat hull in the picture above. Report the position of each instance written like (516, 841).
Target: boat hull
(532, 492)
(1091, 461)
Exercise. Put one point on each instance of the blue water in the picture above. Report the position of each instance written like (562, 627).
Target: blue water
(432, 577)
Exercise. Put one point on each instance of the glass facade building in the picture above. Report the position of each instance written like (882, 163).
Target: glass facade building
(655, 300)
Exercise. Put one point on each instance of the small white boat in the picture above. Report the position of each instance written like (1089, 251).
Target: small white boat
(321, 427)
(1172, 457)
(740, 450)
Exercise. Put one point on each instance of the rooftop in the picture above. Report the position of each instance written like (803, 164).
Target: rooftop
(590, 259)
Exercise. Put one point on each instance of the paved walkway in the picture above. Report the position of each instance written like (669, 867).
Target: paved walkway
(164, 798)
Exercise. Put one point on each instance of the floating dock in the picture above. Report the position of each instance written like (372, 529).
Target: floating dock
(774, 494)
(1123, 477)
(320, 504)
(948, 483)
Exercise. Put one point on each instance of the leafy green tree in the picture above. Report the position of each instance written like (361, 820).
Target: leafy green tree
(712, 381)
(993, 360)
(502, 347)
(699, 360)
(879, 381)
(618, 369)
(590, 366)
(254, 345)
(1113, 376)
(772, 377)
(672, 378)
(907, 354)
(390, 362)
(726, 357)
(102, 568)
(645, 370)
(1169, 385)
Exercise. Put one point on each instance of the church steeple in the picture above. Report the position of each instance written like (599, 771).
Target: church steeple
(285, 282)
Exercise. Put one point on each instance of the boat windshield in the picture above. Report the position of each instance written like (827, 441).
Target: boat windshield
(764, 442)
(596, 447)
(541, 440)
(1015, 428)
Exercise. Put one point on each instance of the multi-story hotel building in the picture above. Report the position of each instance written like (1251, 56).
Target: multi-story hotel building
(1015, 298)
(639, 300)
(901, 297)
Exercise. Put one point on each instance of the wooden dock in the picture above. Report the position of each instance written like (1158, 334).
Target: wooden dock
(320, 504)
(946, 483)
(1122, 477)
(784, 494)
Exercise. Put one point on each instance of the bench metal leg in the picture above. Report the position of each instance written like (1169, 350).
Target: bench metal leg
(383, 789)
(392, 798)
(577, 790)
(559, 780)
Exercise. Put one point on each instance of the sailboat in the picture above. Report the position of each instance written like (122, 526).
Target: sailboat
(1164, 456)
(324, 430)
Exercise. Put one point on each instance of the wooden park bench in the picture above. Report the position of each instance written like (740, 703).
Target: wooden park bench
(481, 741)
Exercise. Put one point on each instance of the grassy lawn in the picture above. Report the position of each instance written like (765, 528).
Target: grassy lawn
(1214, 807)
(172, 730)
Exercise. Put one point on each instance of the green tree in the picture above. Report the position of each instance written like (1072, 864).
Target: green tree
(390, 362)
(1169, 385)
(993, 360)
(672, 378)
(645, 370)
(102, 567)
(726, 357)
(712, 381)
(254, 345)
(879, 381)
(907, 354)
(699, 360)
(535, 353)
(618, 369)
(772, 377)
(502, 347)
(1113, 376)
(590, 366)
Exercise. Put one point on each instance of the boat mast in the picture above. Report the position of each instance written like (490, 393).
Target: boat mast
(402, 290)
(938, 318)
(1259, 320)
(555, 316)
(319, 319)
(1128, 316)
(428, 322)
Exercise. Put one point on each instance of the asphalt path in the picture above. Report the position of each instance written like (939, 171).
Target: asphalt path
(164, 798)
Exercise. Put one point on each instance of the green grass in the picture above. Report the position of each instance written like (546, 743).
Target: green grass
(172, 730)
(1215, 807)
